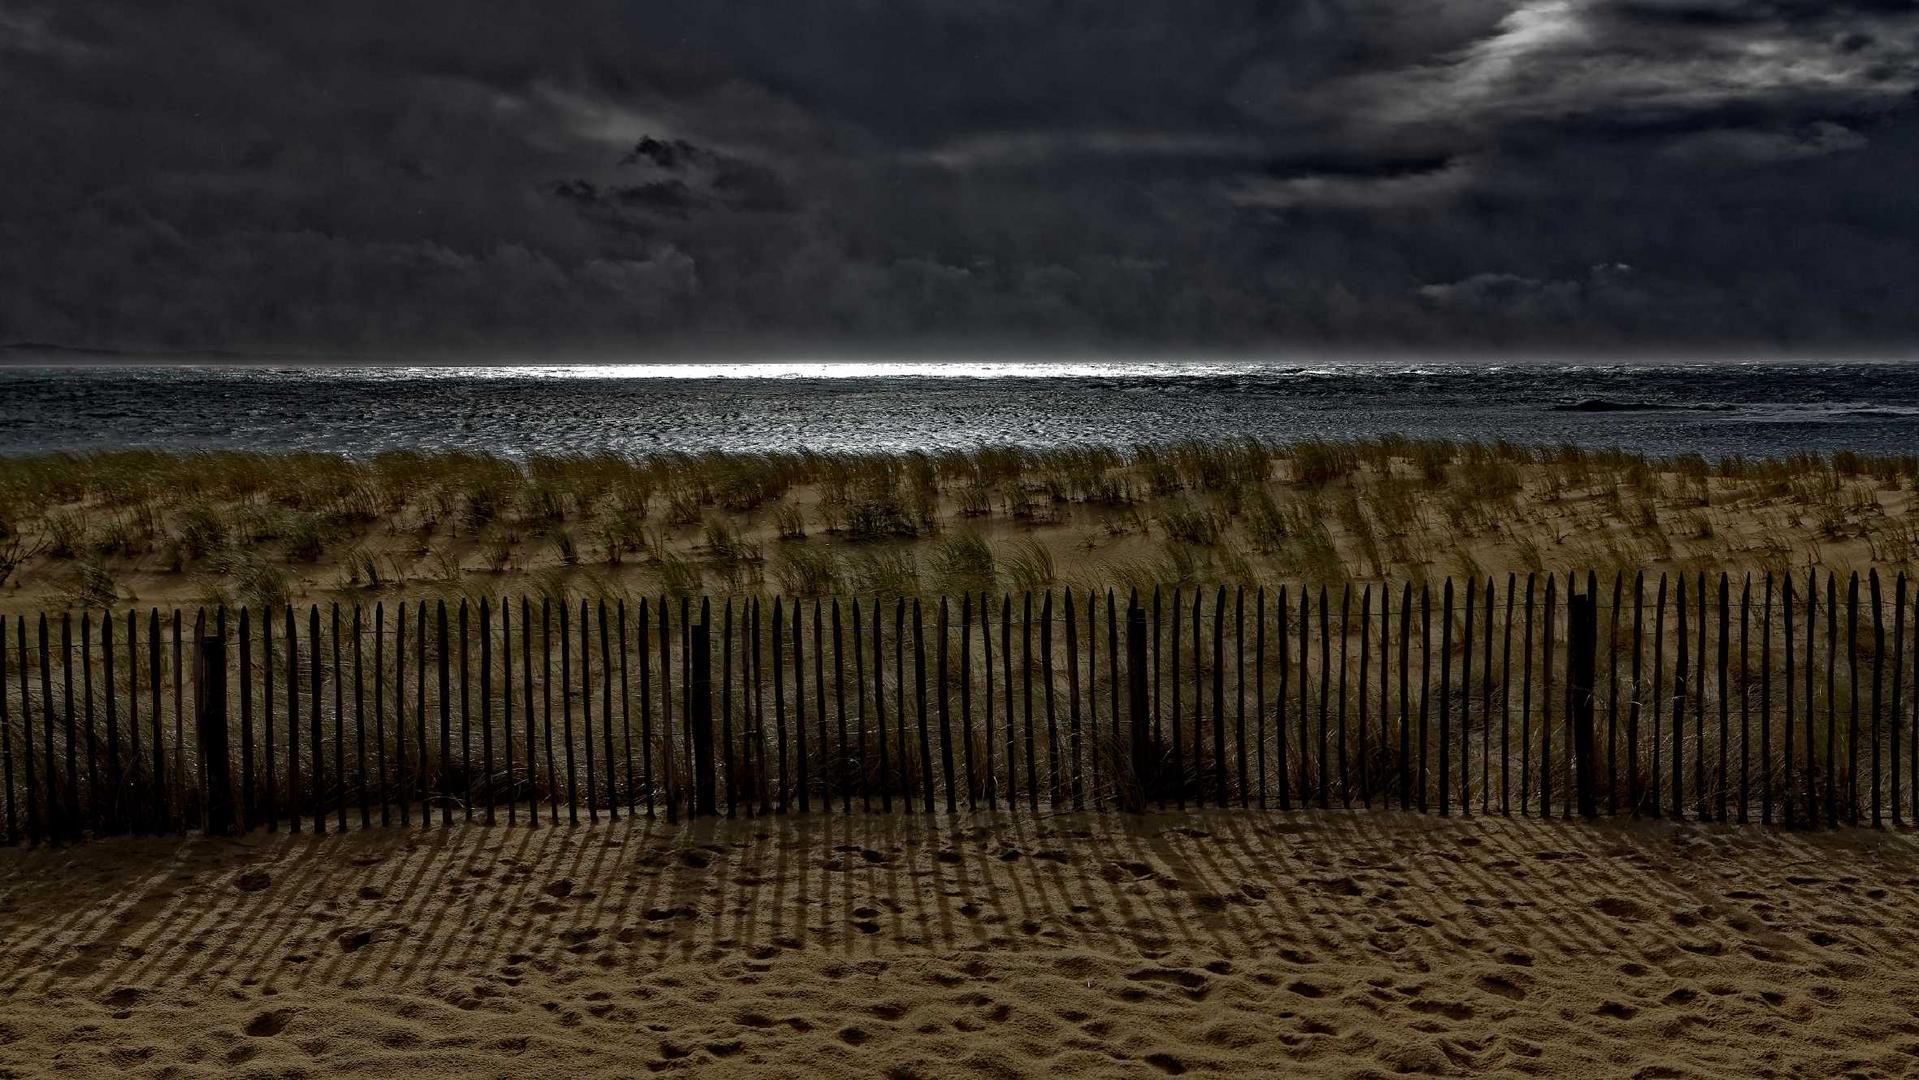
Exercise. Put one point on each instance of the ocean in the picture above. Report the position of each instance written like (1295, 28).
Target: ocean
(1715, 409)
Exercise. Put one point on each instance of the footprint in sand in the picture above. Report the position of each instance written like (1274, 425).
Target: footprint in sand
(1191, 980)
(1451, 1010)
(1618, 907)
(270, 1022)
(1502, 986)
(1306, 990)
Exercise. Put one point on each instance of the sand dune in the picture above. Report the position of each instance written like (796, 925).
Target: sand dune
(1220, 944)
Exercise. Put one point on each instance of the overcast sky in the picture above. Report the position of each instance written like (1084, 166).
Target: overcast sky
(666, 176)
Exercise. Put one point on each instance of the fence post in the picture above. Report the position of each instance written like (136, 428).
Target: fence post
(1135, 795)
(1581, 650)
(701, 719)
(210, 718)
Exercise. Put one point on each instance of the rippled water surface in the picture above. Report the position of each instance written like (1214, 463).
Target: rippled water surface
(1713, 409)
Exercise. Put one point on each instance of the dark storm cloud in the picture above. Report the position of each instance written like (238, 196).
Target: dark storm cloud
(679, 175)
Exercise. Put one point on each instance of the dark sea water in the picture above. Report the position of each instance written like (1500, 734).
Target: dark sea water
(1713, 409)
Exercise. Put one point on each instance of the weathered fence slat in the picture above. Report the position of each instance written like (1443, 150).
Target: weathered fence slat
(1832, 699)
(1486, 703)
(779, 695)
(137, 815)
(1403, 771)
(1912, 737)
(727, 760)
(859, 701)
(1787, 787)
(1309, 790)
(1132, 795)
(1365, 669)
(6, 740)
(1466, 703)
(87, 719)
(819, 709)
(1898, 684)
(56, 818)
(1654, 802)
(316, 723)
(339, 720)
(607, 752)
(1198, 756)
(1852, 699)
(1112, 672)
(1219, 698)
(1425, 688)
(527, 718)
(1878, 671)
(945, 718)
(36, 821)
(989, 778)
(919, 707)
(210, 709)
(1072, 703)
(177, 791)
(669, 765)
(1612, 695)
(1159, 683)
(1280, 770)
(1026, 666)
(626, 703)
(419, 713)
(1582, 630)
(246, 722)
(1178, 725)
(359, 725)
(592, 756)
(839, 708)
(399, 710)
(379, 707)
(900, 700)
(505, 710)
(1445, 698)
(294, 800)
(700, 717)
(801, 755)
(966, 694)
(1506, 700)
(1325, 680)
(1547, 626)
(1745, 701)
(879, 709)
(1765, 706)
(1721, 792)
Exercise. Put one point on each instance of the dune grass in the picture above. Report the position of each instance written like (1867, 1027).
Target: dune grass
(143, 526)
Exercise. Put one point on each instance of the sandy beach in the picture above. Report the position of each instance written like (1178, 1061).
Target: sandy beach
(1222, 944)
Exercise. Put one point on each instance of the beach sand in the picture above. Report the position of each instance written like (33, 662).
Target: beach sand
(1322, 943)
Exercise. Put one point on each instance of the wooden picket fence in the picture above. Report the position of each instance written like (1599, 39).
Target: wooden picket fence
(1694, 696)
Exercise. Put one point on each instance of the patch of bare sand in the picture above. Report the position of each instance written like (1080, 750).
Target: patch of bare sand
(1222, 944)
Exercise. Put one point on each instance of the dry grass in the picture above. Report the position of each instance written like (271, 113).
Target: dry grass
(152, 527)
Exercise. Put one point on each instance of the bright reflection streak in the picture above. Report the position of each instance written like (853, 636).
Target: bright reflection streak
(849, 369)
(970, 369)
